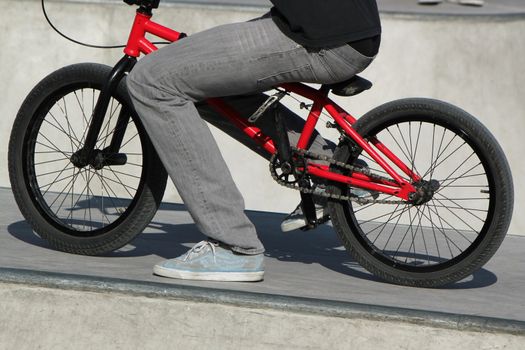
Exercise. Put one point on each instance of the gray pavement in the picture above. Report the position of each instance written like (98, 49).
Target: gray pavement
(303, 264)
(491, 7)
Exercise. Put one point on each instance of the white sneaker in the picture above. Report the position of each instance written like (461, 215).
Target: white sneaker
(472, 2)
(296, 219)
(208, 261)
(429, 2)
(469, 2)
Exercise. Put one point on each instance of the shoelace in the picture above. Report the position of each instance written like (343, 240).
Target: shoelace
(197, 248)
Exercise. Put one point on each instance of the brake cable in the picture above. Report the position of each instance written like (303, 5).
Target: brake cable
(84, 44)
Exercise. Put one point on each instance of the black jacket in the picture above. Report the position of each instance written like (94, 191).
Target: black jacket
(321, 23)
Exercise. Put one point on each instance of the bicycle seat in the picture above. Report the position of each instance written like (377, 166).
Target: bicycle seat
(350, 87)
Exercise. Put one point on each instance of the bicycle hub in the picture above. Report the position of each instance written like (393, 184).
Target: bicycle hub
(99, 160)
(424, 191)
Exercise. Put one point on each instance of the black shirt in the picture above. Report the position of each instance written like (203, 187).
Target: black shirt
(322, 23)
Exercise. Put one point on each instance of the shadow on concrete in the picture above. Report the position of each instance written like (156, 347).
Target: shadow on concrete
(320, 246)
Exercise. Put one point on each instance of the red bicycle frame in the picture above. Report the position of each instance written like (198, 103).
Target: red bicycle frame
(399, 187)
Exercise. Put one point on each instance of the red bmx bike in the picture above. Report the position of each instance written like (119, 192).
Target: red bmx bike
(88, 180)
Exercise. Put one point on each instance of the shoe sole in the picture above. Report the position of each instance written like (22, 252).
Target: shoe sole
(294, 224)
(291, 225)
(209, 276)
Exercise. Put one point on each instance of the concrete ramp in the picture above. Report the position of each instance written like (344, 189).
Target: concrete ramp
(59, 311)
(314, 296)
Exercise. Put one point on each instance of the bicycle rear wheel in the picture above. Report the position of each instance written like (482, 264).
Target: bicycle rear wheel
(454, 232)
(92, 209)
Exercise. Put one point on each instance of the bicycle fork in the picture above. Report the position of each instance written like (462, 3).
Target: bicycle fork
(88, 155)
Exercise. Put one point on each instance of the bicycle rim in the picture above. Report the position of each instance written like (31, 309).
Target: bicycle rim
(446, 229)
(82, 202)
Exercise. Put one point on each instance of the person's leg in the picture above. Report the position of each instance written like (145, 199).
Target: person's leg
(228, 60)
(246, 105)
(164, 86)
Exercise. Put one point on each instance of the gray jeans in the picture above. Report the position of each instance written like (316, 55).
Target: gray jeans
(229, 60)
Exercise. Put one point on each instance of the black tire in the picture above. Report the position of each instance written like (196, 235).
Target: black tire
(115, 219)
(468, 225)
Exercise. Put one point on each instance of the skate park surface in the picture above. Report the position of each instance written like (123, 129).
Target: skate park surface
(307, 273)
(314, 295)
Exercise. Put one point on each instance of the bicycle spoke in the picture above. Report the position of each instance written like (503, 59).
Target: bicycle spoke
(468, 210)
(62, 131)
(68, 134)
(366, 206)
(52, 144)
(54, 180)
(54, 172)
(85, 178)
(451, 226)
(422, 234)
(371, 167)
(115, 130)
(377, 217)
(81, 107)
(101, 178)
(84, 133)
(457, 216)
(50, 184)
(73, 177)
(441, 162)
(433, 230)
(124, 145)
(102, 190)
(432, 160)
(457, 178)
(78, 199)
(134, 164)
(106, 128)
(52, 161)
(459, 166)
(69, 126)
(49, 152)
(412, 160)
(406, 208)
(383, 225)
(415, 149)
(409, 158)
(404, 236)
(460, 207)
(122, 184)
(121, 173)
(442, 230)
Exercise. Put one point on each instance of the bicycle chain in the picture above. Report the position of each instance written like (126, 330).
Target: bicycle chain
(312, 155)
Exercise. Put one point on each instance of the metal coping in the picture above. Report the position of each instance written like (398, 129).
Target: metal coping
(254, 300)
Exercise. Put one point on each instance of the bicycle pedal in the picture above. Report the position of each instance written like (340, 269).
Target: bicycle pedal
(267, 104)
(315, 224)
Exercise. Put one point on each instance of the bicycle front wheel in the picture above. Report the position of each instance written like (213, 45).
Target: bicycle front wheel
(91, 209)
(459, 227)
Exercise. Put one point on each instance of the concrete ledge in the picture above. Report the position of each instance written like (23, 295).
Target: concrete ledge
(287, 304)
